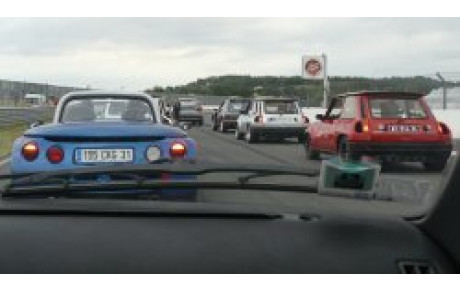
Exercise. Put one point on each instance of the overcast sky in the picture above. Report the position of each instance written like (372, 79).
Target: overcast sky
(137, 53)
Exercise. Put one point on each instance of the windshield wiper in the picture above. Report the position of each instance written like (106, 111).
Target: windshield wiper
(139, 177)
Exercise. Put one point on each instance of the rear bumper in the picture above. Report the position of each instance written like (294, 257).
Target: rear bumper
(192, 118)
(284, 131)
(414, 151)
(229, 124)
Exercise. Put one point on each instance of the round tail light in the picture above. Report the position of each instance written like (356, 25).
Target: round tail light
(177, 150)
(30, 151)
(152, 154)
(55, 154)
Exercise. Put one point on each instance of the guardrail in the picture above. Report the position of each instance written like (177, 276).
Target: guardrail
(15, 115)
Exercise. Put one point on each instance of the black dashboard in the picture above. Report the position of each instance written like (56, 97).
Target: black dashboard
(66, 243)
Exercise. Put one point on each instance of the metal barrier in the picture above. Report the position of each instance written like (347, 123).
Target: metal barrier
(14, 115)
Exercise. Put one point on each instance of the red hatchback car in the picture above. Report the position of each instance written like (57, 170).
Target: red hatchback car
(389, 126)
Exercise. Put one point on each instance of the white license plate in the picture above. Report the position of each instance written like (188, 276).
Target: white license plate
(280, 119)
(403, 128)
(105, 155)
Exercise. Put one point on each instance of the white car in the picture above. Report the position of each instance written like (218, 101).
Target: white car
(271, 117)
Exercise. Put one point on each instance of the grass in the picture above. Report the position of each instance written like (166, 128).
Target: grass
(8, 135)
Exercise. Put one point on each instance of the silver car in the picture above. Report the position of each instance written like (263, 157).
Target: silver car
(191, 111)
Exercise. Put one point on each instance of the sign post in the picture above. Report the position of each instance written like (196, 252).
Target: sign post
(315, 68)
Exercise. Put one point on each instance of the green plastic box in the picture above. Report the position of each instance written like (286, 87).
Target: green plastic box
(348, 178)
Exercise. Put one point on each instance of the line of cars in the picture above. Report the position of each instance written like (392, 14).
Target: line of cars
(261, 117)
(387, 126)
(96, 128)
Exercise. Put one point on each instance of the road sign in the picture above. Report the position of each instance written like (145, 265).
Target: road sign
(313, 67)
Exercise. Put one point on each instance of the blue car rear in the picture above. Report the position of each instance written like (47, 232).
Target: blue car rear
(75, 137)
(92, 131)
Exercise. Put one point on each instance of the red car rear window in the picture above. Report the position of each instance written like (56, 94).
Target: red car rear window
(396, 108)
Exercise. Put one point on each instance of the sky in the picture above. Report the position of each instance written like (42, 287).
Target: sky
(139, 53)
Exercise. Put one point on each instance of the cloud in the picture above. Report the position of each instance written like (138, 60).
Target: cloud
(136, 53)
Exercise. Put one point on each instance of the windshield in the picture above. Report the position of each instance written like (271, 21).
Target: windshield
(281, 107)
(396, 108)
(99, 109)
(237, 106)
(135, 107)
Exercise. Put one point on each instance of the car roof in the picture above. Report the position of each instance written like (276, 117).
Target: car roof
(84, 93)
(187, 99)
(386, 94)
(238, 99)
(273, 98)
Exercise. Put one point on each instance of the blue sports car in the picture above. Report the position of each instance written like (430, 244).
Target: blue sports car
(92, 128)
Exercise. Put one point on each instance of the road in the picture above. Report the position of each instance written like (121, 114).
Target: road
(223, 148)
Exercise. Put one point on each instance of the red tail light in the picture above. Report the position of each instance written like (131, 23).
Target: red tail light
(30, 151)
(177, 150)
(362, 126)
(443, 129)
(55, 154)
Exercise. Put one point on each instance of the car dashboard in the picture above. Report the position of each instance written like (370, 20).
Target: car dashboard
(73, 242)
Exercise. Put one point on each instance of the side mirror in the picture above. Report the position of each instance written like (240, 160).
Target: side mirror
(36, 123)
(320, 117)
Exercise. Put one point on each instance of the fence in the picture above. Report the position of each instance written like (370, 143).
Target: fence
(16, 115)
(14, 91)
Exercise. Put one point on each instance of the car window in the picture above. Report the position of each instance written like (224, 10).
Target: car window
(335, 108)
(101, 109)
(188, 107)
(281, 107)
(116, 108)
(189, 103)
(396, 108)
(236, 107)
(349, 108)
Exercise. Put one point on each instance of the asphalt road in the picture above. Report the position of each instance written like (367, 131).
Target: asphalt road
(223, 148)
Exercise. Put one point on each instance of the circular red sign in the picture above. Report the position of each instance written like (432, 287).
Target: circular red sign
(313, 67)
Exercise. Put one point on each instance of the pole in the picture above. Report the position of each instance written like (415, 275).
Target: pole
(326, 88)
(444, 90)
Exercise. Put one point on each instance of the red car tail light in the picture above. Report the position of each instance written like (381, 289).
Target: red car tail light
(443, 129)
(30, 151)
(55, 154)
(177, 150)
(362, 127)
